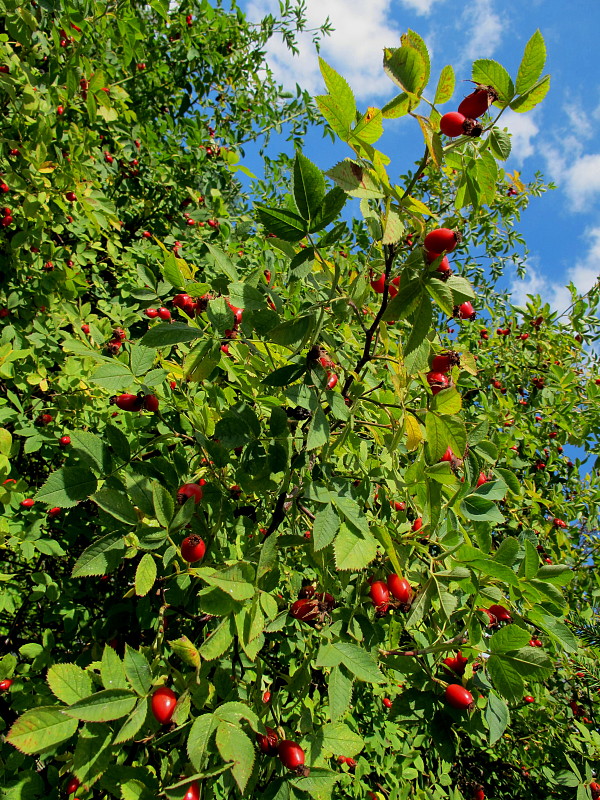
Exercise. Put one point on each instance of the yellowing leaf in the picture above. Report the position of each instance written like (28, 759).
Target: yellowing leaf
(47, 166)
(414, 434)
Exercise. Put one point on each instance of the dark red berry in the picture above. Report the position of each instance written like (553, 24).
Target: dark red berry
(400, 588)
(189, 490)
(440, 240)
(465, 311)
(151, 403)
(164, 313)
(437, 381)
(305, 609)
(458, 697)
(127, 402)
(267, 742)
(193, 548)
(151, 313)
(478, 102)
(379, 593)
(163, 704)
(64, 441)
(290, 754)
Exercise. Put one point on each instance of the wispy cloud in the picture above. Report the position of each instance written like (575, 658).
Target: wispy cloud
(482, 30)
(523, 130)
(422, 7)
(362, 30)
(583, 274)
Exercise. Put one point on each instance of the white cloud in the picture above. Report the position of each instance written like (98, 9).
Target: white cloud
(482, 30)
(420, 6)
(523, 129)
(361, 31)
(583, 274)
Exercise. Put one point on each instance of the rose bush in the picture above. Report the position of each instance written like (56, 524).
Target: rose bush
(283, 516)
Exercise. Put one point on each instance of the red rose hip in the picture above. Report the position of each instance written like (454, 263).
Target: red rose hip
(163, 704)
(193, 549)
(458, 697)
(441, 239)
(290, 754)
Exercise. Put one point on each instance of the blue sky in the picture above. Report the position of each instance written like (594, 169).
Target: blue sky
(560, 138)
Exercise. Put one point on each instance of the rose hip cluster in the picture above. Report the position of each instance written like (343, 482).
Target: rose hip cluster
(395, 593)
(312, 606)
(290, 753)
(464, 121)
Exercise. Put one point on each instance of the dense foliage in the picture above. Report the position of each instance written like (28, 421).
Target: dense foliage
(287, 510)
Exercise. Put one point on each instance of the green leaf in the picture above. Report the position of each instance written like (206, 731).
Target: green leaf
(318, 430)
(103, 706)
(186, 650)
(337, 737)
(242, 295)
(500, 143)
(167, 334)
(355, 180)
(68, 682)
(445, 86)
(308, 186)
(441, 295)
(41, 729)
(294, 332)
(141, 359)
(325, 527)
(353, 549)
(508, 638)
(338, 87)
(352, 513)
(448, 401)
(201, 360)
(398, 107)
(335, 115)
(172, 273)
(339, 688)
(117, 504)
(137, 670)
(114, 376)
(406, 67)
(554, 628)
(356, 660)
(222, 262)
(506, 677)
(91, 449)
(557, 574)
(369, 128)
(405, 302)
(112, 670)
(421, 322)
(432, 140)
(93, 753)
(491, 73)
(330, 209)
(164, 505)
(200, 733)
(133, 723)
(497, 717)
(67, 486)
(284, 224)
(532, 63)
(218, 641)
(443, 432)
(145, 574)
(393, 229)
(507, 552)
(481, 509)
(101, 557)
(533, 97)
(234, 745)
